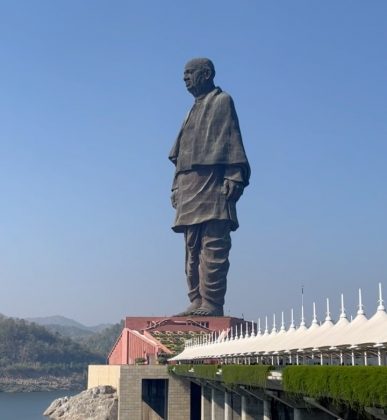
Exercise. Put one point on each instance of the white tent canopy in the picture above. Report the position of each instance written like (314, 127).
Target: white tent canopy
(369, 335)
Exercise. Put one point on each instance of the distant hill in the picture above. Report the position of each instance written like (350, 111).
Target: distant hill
(68, 331)
(98, 339)
(57, 320)
(100, 327)
(68, 327)
(102, 342)
(28, 350)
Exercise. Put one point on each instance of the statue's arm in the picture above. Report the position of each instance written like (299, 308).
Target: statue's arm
(233, 184)
(174, 192)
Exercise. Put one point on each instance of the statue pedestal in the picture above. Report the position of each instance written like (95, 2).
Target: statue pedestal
(144, 339)
(182, 323)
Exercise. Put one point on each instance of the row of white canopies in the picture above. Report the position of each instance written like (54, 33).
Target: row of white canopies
(362, 334)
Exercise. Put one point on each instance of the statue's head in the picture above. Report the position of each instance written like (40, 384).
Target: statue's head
(199, 76)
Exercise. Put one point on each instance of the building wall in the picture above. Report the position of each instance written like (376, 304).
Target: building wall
(130, 346)
(103, 375)
(127, 379)
(130, 405)
(115, 356)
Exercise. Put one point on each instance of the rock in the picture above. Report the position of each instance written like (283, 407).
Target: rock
(99, 403)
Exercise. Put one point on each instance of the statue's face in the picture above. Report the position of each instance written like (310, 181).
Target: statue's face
(195, 77)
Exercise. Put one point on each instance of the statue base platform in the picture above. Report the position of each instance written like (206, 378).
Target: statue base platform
(182, 323)
(144, 338)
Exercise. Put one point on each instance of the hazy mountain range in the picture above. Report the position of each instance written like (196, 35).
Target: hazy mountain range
(68, 327)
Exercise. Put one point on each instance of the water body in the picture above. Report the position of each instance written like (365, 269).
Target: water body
(28, 405)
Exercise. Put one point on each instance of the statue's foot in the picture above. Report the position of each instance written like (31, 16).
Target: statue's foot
(196, 304)
(205, 310)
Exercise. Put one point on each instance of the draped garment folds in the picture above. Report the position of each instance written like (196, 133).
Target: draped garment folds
(208, 150)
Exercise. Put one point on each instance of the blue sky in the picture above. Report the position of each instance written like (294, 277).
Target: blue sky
(91, 101)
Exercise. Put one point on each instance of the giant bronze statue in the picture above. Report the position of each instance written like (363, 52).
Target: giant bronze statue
(211, 173)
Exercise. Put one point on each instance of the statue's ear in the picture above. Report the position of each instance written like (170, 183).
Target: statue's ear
(207, 73)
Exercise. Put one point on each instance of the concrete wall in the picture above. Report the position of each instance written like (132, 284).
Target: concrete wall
(131, 406)
(103, 375)
(127, 379)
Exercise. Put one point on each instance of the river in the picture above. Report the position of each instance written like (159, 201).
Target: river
(28, 405)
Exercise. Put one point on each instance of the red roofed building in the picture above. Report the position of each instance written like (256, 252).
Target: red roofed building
(148, 337)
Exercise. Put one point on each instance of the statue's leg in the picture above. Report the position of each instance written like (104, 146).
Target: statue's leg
(214, 265)
(192, 250)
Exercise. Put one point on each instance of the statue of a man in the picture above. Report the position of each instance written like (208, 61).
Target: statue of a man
(211, 173)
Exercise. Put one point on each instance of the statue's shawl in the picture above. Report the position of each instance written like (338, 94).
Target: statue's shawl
(218, 139)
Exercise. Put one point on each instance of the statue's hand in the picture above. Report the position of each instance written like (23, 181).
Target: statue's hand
(232, 189)
(174, 198)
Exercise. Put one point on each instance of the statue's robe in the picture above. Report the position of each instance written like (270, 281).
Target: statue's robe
(208, 150)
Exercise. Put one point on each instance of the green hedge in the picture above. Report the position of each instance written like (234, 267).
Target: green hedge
(358, 385)
(199, 371)
(254, 375)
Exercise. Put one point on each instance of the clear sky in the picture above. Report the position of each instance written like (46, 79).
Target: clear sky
(91, 101)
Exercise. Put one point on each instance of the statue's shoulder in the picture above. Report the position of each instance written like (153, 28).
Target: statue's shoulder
(222, 102)
(221, 96)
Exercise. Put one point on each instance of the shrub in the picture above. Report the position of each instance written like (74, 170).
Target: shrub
(246, 374)
(357, 385)
(254, 375)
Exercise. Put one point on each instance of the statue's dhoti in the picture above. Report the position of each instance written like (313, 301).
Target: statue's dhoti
(206, 262)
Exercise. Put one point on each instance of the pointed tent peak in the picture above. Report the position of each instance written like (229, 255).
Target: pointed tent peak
(226, 333)
(282, 322)
(266, 326)
(247, 330)
(314, 322)
(236, 332)
(241, 333)
(302, 324)
(252, 329)
(274, 329)
(259, 331)
(292, 326)
(343, 315)
(380, 300)
(360, 310)
(328, 313)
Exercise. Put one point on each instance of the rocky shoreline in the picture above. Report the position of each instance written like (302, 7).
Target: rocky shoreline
(99, 403)
(42, 383)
